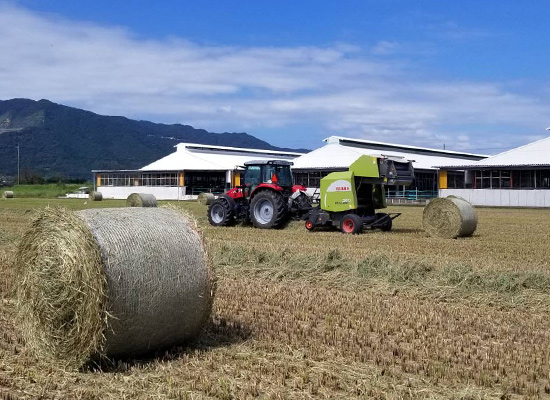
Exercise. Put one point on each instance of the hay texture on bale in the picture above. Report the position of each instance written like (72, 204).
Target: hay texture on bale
(96, 196)
(111, 283)
(141, 200)
(206, 198)
(8, 194)
(449, 217)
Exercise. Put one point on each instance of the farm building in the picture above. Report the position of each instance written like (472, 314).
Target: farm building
(519, 178)
(190, 170)
(339, 152)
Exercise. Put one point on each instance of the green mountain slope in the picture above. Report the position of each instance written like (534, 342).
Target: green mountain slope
(61, 140)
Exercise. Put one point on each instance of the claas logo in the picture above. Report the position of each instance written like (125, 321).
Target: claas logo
(340, 185)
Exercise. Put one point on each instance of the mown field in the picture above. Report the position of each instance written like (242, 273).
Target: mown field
(323, 315)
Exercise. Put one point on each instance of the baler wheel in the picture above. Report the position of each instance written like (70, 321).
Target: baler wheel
(387, 225)
(351, 223)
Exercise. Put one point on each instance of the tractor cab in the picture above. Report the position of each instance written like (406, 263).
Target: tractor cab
(272, 172)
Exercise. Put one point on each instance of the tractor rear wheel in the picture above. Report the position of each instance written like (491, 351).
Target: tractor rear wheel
(220, 213)
(268, 209)
(351, 223)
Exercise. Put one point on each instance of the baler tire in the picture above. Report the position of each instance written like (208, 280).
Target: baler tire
(279, 209)
(351, 224)
(309, 226)
(387, 225)
(220, 213)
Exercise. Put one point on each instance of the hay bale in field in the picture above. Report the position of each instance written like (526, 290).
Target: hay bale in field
(449, 217)
(8, 194)
(111, 282)
(96, 196)
(141, 200)
(206, 198)
(452, 196)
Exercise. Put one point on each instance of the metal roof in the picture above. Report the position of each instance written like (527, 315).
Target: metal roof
(189, 156)
(268, 162)
(404, 147)
(534, 154)
(340, 153)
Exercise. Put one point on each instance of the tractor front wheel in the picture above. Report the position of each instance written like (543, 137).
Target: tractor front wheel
(351, 223)
(268, 210)
(220, 213)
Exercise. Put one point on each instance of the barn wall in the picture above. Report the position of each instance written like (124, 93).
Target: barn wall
(160, 192)
(501, 197)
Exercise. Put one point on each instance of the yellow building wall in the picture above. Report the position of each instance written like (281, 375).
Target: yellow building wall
(182, 178)
(237, 179)
(442, 179)
(98, 180)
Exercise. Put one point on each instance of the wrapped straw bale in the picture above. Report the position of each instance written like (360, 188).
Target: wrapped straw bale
(96, 196)
(205, 198)
(141, 200)
(8, 194)
(449, 217)
(111, 283)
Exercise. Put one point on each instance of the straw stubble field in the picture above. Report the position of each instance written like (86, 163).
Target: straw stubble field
(324, 315)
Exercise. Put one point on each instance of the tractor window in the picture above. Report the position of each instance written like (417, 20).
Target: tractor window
(284, 176)
(252, 175)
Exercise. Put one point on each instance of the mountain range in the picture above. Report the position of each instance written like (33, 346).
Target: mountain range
(57, 140)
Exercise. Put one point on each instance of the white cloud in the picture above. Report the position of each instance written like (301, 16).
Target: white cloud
(384, 48)
(335, 89)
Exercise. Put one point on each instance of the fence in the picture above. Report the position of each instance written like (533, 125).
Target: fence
(195, 191)
(411, 196)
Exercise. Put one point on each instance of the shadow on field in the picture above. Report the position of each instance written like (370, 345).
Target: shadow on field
(218, 332)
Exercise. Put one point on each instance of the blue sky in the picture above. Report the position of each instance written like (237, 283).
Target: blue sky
(468, 74)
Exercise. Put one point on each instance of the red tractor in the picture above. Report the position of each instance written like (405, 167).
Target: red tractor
(266, 197)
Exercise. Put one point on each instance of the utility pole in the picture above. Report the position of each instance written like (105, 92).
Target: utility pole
(18, 174)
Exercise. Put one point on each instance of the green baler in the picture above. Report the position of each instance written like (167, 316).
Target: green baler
(349, 199)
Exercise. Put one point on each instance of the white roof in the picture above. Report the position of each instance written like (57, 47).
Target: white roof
(405, 147)
(200, 157)
(340, 152)
(532, 154)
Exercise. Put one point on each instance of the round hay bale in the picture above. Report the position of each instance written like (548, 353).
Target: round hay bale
(96, 196)
(206, 198)
(452, 196)
(449, 217)
(141, 200)
(111, 283)
(8, 194)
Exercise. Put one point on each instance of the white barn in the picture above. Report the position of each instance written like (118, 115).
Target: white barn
(190, 170)
(516, 178)
(339, 153)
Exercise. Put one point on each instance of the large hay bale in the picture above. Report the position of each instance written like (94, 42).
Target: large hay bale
(8, 194)
(206, 198)
(141, 200)
(449, 217)
(96, 196)
(111, 282)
